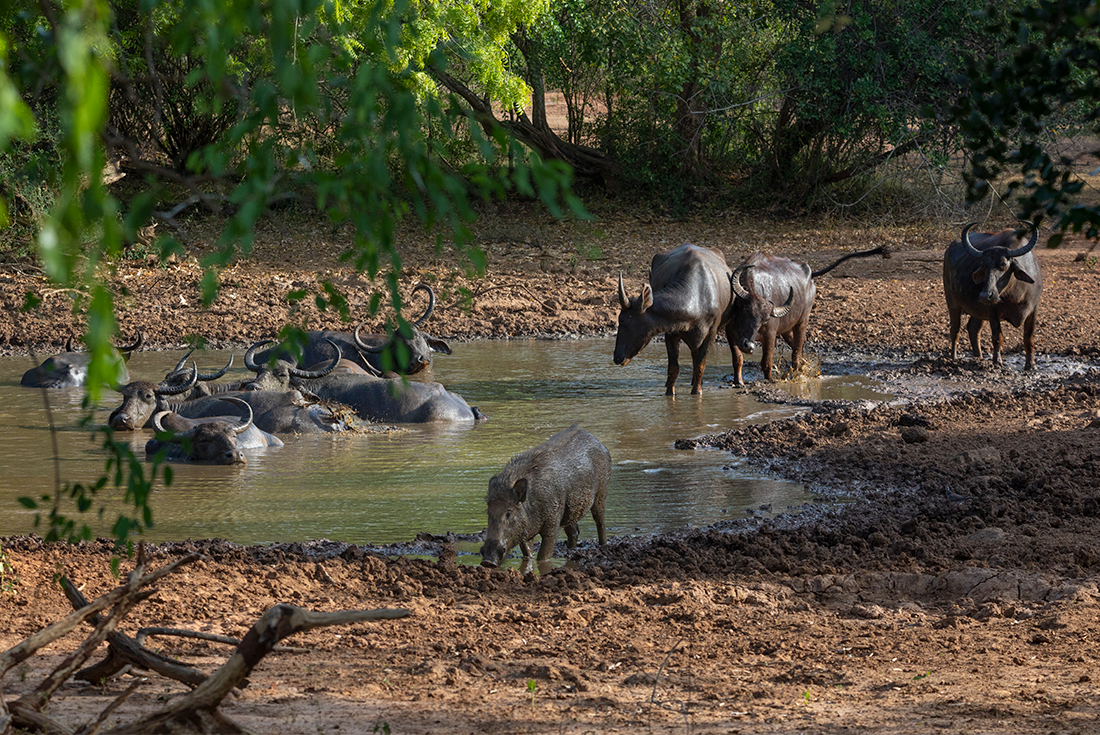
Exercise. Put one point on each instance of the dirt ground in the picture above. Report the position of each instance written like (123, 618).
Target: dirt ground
(956, 592)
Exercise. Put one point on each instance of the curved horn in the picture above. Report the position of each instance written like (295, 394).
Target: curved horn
(314, 374)
(165, 389)
(156, 421)
(735, 282)
(624, 300)
(965, 237)
(223, 371)
(250, 355)
(69, 343)
(431, 303)
(364, 346)
(782, 311)
(244, 424)
(135, 346)
(182, 363)
(1025, 248)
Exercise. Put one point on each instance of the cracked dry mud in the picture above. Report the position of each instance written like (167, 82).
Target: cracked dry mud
(956, 591)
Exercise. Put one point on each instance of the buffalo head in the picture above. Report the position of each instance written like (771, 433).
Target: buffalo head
(277, 375)
(142, 398)
(419, 346)
(997, 261)
(636, 329)
(751, 310)
(207, 442)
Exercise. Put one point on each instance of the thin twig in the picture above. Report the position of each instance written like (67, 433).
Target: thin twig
(653, 696)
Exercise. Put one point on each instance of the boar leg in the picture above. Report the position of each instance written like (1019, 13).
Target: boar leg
(546, 545)
(525, 548)
(572, 533)
(597, 516)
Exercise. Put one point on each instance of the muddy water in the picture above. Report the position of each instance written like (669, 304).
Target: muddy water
(386, 488)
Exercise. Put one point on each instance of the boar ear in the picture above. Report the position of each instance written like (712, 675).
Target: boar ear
(520, 489)
(978, 276)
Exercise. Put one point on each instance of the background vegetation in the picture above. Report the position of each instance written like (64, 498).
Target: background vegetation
(374, 111)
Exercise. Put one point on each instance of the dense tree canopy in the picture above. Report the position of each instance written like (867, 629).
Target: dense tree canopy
(1042, 84)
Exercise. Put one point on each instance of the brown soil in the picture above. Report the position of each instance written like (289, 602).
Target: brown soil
(956, 592)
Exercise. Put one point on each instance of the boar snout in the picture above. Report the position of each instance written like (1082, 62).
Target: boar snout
(492, 554)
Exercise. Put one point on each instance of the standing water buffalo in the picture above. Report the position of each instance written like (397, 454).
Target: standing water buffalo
(551, 485)
(760, 283)
(687, 298)
(70, 368)
(993, 277)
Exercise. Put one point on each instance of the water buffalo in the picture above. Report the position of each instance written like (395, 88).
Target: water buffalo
(687, 299)
(70, 368)
(212, 440)
(758, 285)
(393, 401)
(374, 399)
(993, 277)
(277, 374)
(276, 412)
(368, 350)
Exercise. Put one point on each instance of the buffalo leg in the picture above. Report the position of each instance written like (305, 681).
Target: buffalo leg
(767, 349)
(797, 341)
(738, 363)
(1029, 342)
(699, 364)
(672, 345)
(973, 328)
(997, 337)
(956, 324)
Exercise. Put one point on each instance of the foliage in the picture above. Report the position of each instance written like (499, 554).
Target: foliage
(259, 66)
(1043, 84)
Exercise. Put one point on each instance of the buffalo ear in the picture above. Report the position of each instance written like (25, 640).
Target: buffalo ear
(520, 489)
(978, 276)
(647, 296)
(439, 345)
(1021, 275)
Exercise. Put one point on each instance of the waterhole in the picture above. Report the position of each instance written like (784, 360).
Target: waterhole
(386, 488)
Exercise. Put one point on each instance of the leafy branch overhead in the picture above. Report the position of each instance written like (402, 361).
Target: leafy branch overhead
(1040, 85)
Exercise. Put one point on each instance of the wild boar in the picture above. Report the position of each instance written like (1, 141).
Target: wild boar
(540, 489)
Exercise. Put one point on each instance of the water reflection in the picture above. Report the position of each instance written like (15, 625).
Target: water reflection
(385, 488)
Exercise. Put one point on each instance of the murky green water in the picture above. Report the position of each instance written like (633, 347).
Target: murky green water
(387, 488)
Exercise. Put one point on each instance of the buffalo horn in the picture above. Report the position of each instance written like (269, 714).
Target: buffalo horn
(182, 363)
(966, 239)
(156, 421)
(369, 348)
(735, 282)
(243, 424)
(624, 300)
(69, 343)
(782, 311)
(166, 389)
(1025, 248)
(431, 303)
(314, 374)
(250, 355)
(127, 349)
